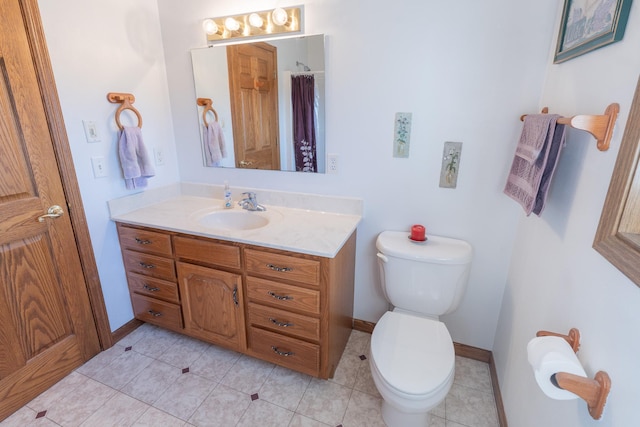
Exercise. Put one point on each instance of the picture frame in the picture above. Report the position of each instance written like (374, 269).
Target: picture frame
(588, 25)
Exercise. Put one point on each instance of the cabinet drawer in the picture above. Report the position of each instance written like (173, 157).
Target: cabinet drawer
(289, 352)
(284, 321)
(283, 296)
(155, 288)
(283, 266)
(207, 252)
(158, 312)
(149, 265)
(152, 242)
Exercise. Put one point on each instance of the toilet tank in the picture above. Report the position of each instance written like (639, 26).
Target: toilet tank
(428, 278)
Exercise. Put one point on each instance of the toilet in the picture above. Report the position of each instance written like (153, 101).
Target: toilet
(412, 358)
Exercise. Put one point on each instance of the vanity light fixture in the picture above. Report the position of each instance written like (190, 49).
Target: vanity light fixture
(279, 21)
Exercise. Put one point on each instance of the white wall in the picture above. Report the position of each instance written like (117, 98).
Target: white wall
(556, 280)
(96, 48)
(466, 72)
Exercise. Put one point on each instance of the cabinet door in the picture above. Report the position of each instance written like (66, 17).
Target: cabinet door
(212, 305)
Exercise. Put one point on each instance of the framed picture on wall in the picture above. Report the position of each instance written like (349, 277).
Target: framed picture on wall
(587, 25)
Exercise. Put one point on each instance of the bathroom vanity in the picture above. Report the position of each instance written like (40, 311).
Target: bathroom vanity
(281, 292)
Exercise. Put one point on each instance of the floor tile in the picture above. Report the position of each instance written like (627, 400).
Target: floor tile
(123, 369)
(264, 414)
(284, 388)
(302, 421)
(155, 341)
(152, 382)
(325, 401)
(26, 417)
(247, 374)
(214, 363)
(471, 407)
(154, 417)
(79, 403)
(363, 411)
(185, 395)
(473, 374)
(183, 352)
(120, 410)
(223, 407)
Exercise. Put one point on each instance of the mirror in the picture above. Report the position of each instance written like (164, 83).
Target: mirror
(618, 234)
(249, 87)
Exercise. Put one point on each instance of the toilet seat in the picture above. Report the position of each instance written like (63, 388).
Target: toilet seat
(413, 355)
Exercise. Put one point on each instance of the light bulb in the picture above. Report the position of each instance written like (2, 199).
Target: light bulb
(209, 26)
(231, 24)
(256, 20)
(279, 16)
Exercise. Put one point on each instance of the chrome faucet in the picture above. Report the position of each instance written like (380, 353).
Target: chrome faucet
(250, 203)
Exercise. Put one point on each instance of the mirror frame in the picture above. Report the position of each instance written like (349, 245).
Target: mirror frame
(619, 250)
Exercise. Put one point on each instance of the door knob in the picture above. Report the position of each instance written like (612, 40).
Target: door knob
(53, 212)
(245, 163)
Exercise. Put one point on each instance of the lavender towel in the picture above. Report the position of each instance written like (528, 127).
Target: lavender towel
(134, 158)
(529, 178)
(214, 144)
(534, 134)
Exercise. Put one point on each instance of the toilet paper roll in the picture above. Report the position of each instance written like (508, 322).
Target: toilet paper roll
(548, 356)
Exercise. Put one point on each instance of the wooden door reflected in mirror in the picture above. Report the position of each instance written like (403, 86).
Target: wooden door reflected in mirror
(618, 234)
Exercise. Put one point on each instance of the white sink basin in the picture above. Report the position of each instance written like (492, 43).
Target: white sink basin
(235, 220)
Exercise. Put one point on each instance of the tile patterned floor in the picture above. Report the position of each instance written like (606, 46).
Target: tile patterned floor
(155, 377)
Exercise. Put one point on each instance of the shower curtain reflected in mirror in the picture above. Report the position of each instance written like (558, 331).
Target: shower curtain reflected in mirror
(303, 102)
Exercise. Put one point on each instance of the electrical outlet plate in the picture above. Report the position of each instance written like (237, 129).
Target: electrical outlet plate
(158, 153)
(99, 167)
(332, 163)
(450, 164)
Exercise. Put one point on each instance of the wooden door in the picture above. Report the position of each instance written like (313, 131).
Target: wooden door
(46, 323)
(254, 105)
(212, 305)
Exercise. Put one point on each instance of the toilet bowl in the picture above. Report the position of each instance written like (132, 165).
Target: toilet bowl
(412, 357)
(412, 364)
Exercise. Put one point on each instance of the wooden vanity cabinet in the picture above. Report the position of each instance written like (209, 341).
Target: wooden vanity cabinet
(210, 283)
(299, 307)
(149, 264)
(288, 308)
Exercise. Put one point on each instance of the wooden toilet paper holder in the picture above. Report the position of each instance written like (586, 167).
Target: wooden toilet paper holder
(593, 391)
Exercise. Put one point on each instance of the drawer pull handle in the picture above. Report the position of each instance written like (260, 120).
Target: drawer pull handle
(279, 323)
(150, 289)
(145, 265)
(143, 241)
(282, 353)
(281, 269)
(154, 313)
(280, 297)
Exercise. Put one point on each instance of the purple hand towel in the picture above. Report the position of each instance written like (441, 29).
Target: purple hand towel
(214, 144)
(535, 129)
(525, 180)
(134, 158)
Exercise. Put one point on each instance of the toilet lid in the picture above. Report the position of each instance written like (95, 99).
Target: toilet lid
(413, 354)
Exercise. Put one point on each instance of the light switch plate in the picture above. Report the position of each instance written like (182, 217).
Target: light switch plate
(91, 131)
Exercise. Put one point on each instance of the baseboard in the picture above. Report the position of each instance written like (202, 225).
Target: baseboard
(502, 417)
(363, 326)
(125, 330)
(461, 350)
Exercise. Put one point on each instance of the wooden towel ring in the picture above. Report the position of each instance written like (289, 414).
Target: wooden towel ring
(206, 103)
(125, 100)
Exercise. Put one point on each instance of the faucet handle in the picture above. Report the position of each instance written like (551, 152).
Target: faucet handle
(250, 195)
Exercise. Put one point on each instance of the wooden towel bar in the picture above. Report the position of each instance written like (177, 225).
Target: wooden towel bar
(125, 100)
(600, 126)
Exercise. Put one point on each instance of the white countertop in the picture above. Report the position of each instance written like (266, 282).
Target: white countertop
(300, 230)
